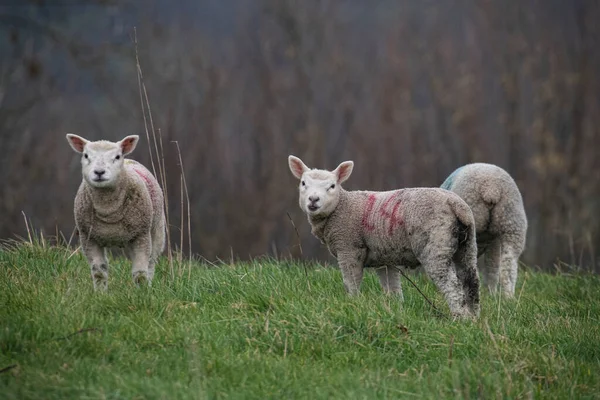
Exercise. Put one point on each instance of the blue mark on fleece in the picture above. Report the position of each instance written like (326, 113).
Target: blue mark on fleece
(450, 180)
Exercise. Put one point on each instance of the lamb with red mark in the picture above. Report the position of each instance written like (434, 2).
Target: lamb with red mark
(119, 203)
(427, 227)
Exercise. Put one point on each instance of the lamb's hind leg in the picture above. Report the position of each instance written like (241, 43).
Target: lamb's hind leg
(466, 270)
(141, 252)
(508, 268)
(389, 277)
(439, 266)
(96, 257)
(158, 246)
(491, 265)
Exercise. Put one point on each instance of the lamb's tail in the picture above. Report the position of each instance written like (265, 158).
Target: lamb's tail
(461, 210)
(465, 257)
(465, 225)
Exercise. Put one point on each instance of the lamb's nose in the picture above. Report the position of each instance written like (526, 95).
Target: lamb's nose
(99, 172)
(313, 199)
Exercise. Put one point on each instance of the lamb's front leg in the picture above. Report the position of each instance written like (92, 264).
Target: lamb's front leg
(96, 257)
(140, 252)
(351, 265)
(389, 277)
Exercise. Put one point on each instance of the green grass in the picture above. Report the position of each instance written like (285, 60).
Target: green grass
(270, 329)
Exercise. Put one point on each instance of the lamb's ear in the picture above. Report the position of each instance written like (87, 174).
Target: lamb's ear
(297, 166)
(343, 171)
(128, 144)
(77, 142)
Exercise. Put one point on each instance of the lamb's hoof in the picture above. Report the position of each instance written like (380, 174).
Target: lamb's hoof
(141, 279)
(464, 315)
(100, 286)
(397, 295)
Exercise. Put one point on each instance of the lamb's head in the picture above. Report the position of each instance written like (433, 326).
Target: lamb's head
(319, 188)
(102, 161)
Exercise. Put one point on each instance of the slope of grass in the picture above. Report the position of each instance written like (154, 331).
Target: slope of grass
(269, 329)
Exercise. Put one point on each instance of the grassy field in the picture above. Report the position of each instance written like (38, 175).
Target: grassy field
(270, 329)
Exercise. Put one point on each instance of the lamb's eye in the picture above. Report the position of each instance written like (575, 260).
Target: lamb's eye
(85, 155)
(303, 184)
(118, 157)
(332, 186)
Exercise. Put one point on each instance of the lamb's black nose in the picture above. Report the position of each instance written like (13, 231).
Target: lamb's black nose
(313, 199)
(99, 172)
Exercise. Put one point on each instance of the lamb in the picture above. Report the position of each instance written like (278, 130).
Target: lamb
(430, 227)
(500, 220)
(119, 203)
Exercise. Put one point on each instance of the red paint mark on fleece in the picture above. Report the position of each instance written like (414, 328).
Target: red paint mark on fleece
(395, 220)
(384, 207)
(369, 226)
(149, 183)
(390, 213)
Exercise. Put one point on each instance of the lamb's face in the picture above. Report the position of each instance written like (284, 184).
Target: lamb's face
(319, 190)
(102, 161)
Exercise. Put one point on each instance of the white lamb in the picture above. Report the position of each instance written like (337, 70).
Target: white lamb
(408, 227)
(119, 203)
(500, 220)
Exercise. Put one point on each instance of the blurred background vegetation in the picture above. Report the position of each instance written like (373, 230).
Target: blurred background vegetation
(409, 90)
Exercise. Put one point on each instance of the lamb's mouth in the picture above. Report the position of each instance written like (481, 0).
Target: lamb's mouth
(312, 208)
(99, 181)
